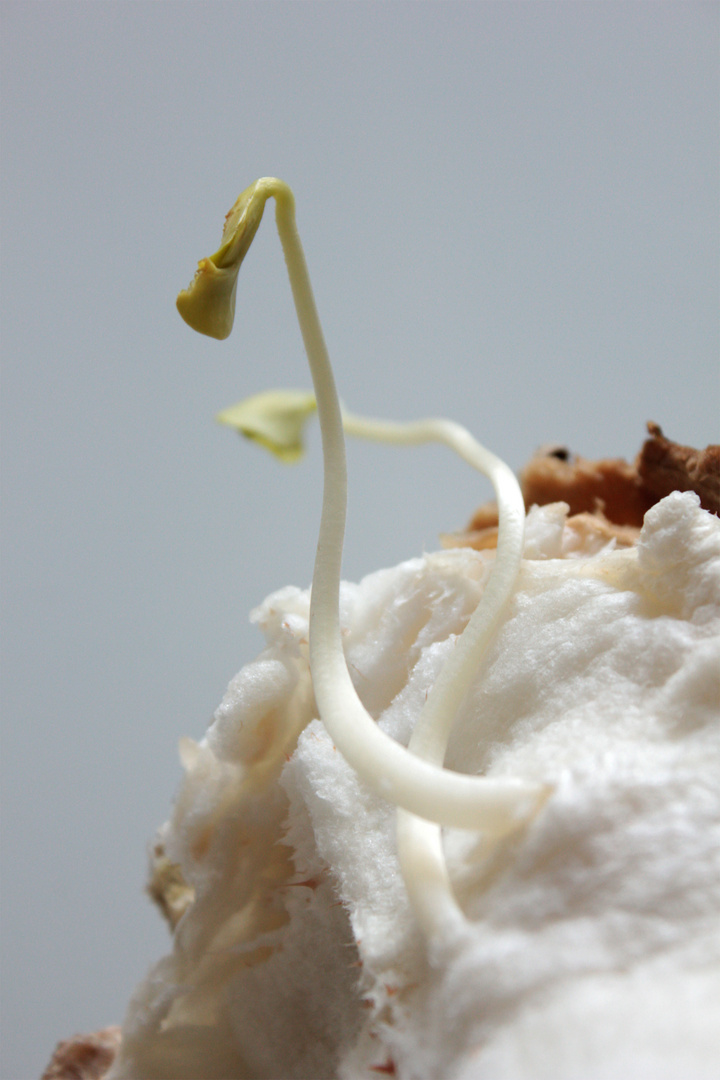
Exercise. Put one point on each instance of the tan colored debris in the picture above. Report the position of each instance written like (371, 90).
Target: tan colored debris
(479, 539)
(665, 466)
(583, 532)
(607, 498)
(84, 1057)
(591, 531)
(611, 485)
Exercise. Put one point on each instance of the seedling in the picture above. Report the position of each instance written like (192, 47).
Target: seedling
(413, 778)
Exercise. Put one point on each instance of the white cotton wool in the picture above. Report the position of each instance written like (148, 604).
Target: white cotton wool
(592, 946)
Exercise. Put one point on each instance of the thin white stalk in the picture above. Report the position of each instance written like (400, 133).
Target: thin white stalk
(424, 788)
(433, 728)
(419, 841)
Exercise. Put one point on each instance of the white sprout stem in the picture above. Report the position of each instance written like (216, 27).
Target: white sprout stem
(397, 774)
(419, 842)
(433, 728)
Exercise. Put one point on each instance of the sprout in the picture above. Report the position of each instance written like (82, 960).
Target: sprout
(414, 778)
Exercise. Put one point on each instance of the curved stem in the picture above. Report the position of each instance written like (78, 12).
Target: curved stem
(433, 728)
(419, 841)
(397, 774)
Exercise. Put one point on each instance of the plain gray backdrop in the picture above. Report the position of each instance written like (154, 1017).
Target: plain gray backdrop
(510, 216)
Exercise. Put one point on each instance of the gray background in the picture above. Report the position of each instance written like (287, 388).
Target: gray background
(510, 216)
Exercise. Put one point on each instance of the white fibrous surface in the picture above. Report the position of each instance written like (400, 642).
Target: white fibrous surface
(592, 946)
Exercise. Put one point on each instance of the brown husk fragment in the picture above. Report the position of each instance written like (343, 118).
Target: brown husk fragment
(609, 497)
(611, 486)
(84, 1057)
(665, 466)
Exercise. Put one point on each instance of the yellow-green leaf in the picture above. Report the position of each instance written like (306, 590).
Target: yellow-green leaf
(208, 303)
(276, 419)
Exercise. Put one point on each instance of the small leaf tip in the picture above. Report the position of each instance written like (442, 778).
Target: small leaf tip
(275, 419)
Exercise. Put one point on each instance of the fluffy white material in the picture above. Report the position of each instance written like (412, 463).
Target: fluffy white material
(593, 946)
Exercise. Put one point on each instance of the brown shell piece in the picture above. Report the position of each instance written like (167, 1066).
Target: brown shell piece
(84, 1057)
(665, 466)
(611, 485)
(606, 498)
